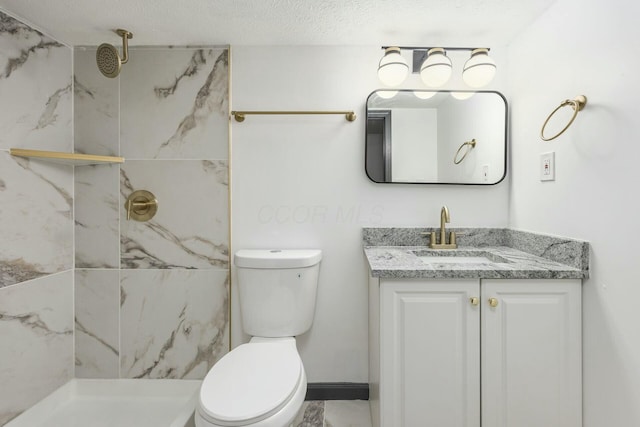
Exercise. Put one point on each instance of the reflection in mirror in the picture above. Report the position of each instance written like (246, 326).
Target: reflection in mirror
(441, 137)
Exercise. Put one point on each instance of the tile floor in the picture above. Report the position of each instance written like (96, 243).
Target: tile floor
(334, 413)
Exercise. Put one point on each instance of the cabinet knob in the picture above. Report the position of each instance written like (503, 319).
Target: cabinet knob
(493, 302)
(474, 300)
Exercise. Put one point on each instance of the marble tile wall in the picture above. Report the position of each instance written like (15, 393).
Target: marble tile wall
(97, 188)
(36, 222)
(174, 104)
(35, 112)
(97, 323)
(151, 300)
(97, 213)
(152, 297)
(191, 227)
(36, 355)
(173, 322)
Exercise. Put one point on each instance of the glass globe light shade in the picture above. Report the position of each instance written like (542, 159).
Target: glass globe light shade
(436, 69)
(393, 68)
(386, 94)
(462, 95)
(424, 94)
(480, 69)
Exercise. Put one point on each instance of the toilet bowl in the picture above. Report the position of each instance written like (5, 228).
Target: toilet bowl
(263, 383)
(259, 384)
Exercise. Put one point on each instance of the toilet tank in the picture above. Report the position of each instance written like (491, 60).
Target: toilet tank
(277, 290)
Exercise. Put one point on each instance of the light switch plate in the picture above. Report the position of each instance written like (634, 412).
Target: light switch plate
(485, 173)
(548, 166)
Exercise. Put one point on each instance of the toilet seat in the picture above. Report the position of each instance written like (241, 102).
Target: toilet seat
(251, 383)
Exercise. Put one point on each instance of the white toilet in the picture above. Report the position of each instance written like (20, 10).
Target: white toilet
(263, 383)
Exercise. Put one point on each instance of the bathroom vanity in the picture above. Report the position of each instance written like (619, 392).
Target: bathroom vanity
(487, 335)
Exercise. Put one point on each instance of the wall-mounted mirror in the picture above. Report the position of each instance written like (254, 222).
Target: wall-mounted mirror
(436, 137)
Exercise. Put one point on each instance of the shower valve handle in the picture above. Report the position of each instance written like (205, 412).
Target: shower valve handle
(141, 205)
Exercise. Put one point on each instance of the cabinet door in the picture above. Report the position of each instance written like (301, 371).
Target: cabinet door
(430, 354)
(531, 353)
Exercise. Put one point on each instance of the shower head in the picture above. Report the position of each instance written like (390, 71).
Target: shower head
(108, 58)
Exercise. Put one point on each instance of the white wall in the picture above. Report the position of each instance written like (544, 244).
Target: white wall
(588, 48)
(300, 182)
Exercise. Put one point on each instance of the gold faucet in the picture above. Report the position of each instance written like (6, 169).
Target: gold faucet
(444, 218)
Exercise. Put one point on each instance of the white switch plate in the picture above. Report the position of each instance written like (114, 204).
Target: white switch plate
(485, 173)
(548, 166)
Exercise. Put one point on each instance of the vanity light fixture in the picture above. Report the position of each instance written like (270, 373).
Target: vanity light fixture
(393, 68)
(480, 69)
(424, 94)
(435, 67)
(387, 94)
(462, 95)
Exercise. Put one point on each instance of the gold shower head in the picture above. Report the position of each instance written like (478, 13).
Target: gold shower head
(108, 58)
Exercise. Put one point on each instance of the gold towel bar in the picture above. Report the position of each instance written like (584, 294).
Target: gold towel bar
(576, 103)
(240, 115)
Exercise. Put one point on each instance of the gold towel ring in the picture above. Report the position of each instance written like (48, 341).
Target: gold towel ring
(470, 146)
(576, 103)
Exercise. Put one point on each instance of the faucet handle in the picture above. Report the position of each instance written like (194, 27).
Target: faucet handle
(452, 238)
(432, 240)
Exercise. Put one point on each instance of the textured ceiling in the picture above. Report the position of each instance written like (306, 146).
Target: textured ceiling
(282, 22)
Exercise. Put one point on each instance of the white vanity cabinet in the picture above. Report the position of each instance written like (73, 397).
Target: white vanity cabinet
(443, 355)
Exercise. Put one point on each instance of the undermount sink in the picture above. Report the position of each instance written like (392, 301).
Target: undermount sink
(459, 257)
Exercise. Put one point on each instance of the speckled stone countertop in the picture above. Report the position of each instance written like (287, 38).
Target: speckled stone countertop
(511, 254)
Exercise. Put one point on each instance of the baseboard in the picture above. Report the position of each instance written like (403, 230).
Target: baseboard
(337, 391)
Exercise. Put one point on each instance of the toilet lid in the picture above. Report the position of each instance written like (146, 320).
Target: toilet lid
(250, 383)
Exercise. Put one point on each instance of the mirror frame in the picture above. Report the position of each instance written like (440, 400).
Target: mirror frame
(506, 136)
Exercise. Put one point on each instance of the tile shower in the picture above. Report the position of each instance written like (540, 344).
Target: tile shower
(83, 291)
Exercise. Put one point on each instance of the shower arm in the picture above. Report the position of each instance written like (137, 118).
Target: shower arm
(125, 48)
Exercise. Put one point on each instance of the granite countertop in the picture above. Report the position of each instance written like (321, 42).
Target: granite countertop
(510, 255)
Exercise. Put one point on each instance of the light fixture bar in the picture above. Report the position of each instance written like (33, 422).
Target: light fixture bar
(427, 48)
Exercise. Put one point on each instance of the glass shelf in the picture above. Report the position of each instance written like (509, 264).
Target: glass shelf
(74, 159)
